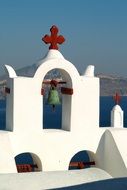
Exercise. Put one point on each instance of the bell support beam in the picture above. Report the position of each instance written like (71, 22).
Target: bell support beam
(67, 91)
(42, 91)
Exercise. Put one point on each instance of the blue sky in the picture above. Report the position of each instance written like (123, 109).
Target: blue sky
(95, 32)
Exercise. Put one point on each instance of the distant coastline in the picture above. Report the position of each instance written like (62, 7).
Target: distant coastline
(109, 85)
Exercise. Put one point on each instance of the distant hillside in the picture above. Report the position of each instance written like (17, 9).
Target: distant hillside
(109, 85)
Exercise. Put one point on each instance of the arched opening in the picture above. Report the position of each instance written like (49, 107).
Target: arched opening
(81, 160)
(28, 162)
(57, 93)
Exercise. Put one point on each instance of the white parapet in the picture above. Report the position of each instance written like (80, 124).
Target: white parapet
(117, 117)
(10, 71)
(89, 72)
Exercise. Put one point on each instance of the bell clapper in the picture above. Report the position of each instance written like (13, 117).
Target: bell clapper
(53, 108)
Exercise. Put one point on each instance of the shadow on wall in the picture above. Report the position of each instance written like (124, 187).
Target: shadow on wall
(108, 156)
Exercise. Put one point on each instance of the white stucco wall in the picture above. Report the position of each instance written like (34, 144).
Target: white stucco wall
(117, 118)
(111, 152)
(7, 162)
(53, 149)
(80, 115)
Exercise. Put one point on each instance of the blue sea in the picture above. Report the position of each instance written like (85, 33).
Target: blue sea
(106, 105)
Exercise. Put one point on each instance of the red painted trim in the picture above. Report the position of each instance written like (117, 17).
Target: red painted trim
(42, 91)
(68, 91)
(7, 90)
(81, 165)
(85, 163)
(26, 167)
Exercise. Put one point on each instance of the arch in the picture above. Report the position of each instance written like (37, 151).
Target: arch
(51, 64)
(28, 162)
(64, 111)
(55, 60)
(82, 159)
(67, 75)
(49, 111)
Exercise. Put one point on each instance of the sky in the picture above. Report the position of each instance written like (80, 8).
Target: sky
(95, 33)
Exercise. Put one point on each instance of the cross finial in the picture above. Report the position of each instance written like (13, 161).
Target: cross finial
(117, 98)
(53, 39)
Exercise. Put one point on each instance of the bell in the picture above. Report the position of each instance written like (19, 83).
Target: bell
(53, 97)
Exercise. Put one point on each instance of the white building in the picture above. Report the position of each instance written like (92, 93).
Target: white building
(52, 149)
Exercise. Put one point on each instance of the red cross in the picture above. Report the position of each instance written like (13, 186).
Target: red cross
(54, 39)
(117, 98)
